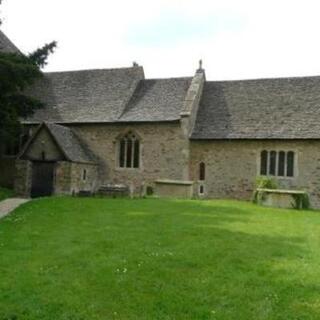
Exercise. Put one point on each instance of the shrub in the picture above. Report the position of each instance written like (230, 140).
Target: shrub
(149, 191)
(263, 183)
(301, 201)
(266, 183)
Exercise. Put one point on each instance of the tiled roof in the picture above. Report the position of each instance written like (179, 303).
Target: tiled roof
(6, 45)
(283, 108)
(157, 100)
(74, 149)
(69, 143)
(84, 96)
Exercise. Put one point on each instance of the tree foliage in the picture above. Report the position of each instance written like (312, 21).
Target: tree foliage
(17, 73)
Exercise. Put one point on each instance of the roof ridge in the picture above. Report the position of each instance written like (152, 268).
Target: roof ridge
(170, 78)
(92, 70)
(264, 79)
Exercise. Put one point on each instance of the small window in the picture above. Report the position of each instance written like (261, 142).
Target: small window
(201, 189)
(43, 155)
(202, 171)
(129, 151)
(84, 175)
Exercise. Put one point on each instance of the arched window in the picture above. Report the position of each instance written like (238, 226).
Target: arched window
(84, 175)
(202, 171)
(129, 151)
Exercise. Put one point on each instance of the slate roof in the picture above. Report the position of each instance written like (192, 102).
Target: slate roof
(71, 146)
(157, 100)
(73, 149)
(84, 96)
(6, 45)
(283, 108)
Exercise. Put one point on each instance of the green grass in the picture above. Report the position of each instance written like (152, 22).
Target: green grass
(73, 259)
(5, 193)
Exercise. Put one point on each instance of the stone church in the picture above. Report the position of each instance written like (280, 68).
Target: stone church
(114, 129)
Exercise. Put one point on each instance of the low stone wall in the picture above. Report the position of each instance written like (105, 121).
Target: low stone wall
(174, 188)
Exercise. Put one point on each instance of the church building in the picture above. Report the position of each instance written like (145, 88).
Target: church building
(114, 129)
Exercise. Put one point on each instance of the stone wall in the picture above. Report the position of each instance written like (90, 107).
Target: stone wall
(62, 178)
(162, 146)
(81, 181)
(232, 167)
(23, 178)
(44, 143)
(70, 179)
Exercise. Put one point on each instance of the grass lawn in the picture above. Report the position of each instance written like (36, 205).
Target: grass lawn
(5, 193)
(73, 259)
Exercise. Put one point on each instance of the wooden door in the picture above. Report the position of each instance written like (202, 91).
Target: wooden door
(42, 179)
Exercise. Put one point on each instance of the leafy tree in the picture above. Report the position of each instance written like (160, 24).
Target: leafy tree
(17, 72)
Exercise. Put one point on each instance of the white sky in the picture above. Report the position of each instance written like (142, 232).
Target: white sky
(235, 39)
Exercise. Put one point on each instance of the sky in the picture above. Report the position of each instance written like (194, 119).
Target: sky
(240, 39)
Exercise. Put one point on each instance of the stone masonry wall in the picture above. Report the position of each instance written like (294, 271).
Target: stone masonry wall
(161, 152)
(23, 178)
(44, 143)
(69, 178)
(232, 167)
(78, 183)
(62, 178)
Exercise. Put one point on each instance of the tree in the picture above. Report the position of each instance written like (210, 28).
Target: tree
(17, 72)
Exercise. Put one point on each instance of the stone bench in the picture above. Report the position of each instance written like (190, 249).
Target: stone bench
(280, 198)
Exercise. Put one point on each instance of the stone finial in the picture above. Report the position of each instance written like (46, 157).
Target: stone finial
(200, 69)
(200, 64)
(135, 64)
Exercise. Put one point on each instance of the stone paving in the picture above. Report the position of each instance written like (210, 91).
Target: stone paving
(8, 205)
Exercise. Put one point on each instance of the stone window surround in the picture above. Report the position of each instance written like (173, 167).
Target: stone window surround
(84, 175)
(277, 150)
(202, 171)
(117, 151)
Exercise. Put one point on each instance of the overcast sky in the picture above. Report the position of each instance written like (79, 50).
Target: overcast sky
(236, 39)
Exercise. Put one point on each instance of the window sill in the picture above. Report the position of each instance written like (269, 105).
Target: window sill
(128, 169)
(279, 177)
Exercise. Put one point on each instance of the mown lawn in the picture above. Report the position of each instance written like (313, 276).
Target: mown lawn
(69, 258)
(5, 193)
